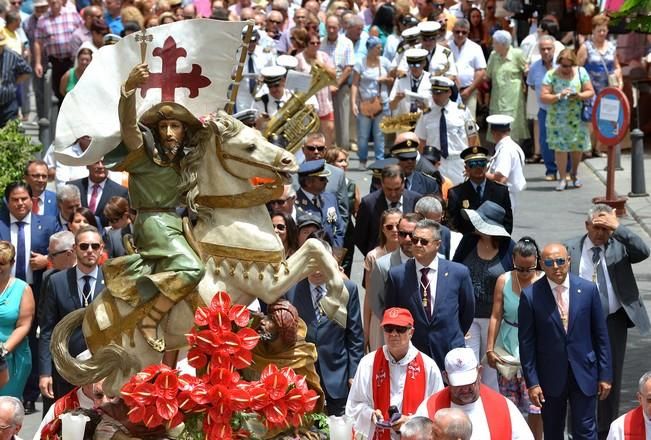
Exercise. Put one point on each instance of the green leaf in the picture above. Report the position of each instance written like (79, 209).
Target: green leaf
(16, 149)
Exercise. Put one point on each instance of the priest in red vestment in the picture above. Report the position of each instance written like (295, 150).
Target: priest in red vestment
(635, 424)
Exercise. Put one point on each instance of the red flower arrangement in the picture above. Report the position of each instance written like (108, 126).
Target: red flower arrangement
(218, 403)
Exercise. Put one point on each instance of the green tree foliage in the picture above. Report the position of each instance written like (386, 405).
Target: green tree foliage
(16, 149)
(636, 14)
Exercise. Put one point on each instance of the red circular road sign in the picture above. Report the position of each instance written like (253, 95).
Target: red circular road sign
(611, 115)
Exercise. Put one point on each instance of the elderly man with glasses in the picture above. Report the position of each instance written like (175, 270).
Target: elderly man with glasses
(12, 415)
(438, 293)
(471, 63)
(413, 374)
(564, 347)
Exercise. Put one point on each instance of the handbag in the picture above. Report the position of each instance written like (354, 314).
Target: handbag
(510, 365)
(372, 107)
(613, 81)
(586, 106)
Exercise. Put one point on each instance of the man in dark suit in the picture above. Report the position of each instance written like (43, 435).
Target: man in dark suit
(405, 150)
(313, 178)
(604, 255)
(476, 190)
(43, 200)
(97, 189)
(437, 292)
(67, 291)
(564, 348)
(30, 234)
(430, 208)
(68, 199)
(339, 349)
(392, 195)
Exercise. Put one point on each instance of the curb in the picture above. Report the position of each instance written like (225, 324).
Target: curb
(629, 209)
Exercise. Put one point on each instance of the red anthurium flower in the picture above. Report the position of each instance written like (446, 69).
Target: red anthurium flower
(176, 420)
(276, 413)
(221, 302)
(186, 403)
(207, 341)
(201, 316)
(229, 342)
(224, 377)
(258, 396)
(242, 359)
(197, 358)
(221, 359)
(240, 315)
(167, 384)
(144, 394)
(167, 408)
(187, 382)
(200, 394)
(218, 321)
(151, 418)
(277, 385)
(136, 414)
(239, 399)
(248, 338)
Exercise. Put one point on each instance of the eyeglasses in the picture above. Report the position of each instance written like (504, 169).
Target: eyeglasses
(524, 269)
(313, 148)
(85, 246)
(38, 176)
(391, 227)
(549, 262)
(275, 21)
(476, 163)
(460, 32)
(278, 202)
(56, 254)
(396, 329)
(280, 227)
(420, 241)
(405, 234)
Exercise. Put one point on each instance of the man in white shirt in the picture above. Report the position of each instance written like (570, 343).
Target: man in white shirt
(635, 424)
(506, 165)
(493, 416)
(256, 59)
(395, 375)
(415, 81)
(277, 96)
(440, 61)
(471, 64)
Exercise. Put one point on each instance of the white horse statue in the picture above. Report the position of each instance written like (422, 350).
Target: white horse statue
(235, 238)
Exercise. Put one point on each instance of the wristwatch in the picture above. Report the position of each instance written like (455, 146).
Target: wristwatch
(3, 350)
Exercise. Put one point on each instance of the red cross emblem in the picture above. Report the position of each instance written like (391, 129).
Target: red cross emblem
(169, 79)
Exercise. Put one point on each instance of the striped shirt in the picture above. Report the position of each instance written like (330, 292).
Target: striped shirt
(12, 65)
(54, 32)
(341, 52)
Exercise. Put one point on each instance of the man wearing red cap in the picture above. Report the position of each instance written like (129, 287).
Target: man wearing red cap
(396, 375)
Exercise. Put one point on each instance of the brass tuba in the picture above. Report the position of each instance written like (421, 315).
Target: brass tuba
(294, 120)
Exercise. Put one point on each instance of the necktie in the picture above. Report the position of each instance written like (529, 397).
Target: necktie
(251, 71)
(316, 201)
(414, 88)
(86, 290)
(600, 279)
(563, 309)
(443, 134)
(35, 201)
(278, 104)
(479, 192)
(21, 254)
(408, 182)
(393, 205)
(93, 198)
(425, 291)
(319, 295)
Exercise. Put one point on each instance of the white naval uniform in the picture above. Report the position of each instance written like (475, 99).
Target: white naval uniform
(475, 412)
(360, 398)
(617, 428)
(272, 107)
(509, 161)
(457, 117)
(404, 84)
(441, 57)
(261, 59)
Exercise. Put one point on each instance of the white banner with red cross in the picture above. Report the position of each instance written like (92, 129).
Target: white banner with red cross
(190, 62)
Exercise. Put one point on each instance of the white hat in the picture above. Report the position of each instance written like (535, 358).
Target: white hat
(429, 27)
(499, 121)
(487, 219)
(273, 74)
(441, 83)
(416, 55)
(287, 61)
(461, 366)
(410, 33)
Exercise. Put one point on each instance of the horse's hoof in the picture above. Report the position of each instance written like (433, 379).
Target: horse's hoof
(158, 344)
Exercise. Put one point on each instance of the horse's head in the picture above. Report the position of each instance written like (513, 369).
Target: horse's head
(244, 153)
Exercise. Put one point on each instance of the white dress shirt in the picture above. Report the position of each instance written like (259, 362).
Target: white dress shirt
(469, 58)
(432, 276)
(404, 84)
(588, 271)
(27, 229)
(617, 428)
(360, 398)
(81, 282)
(508, 160)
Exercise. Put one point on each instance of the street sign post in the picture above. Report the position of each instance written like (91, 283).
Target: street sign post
(611, 115)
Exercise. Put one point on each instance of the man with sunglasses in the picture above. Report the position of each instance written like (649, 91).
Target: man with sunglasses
(470, 61)
(476, 190)
(68, 290)
(407, 154)
(413, 374)
(440, 60)
(564, 347)
(415, 81)
(313, 197)
(605, 256)
(437, 292)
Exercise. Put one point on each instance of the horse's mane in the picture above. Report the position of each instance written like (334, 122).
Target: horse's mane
(224, 127)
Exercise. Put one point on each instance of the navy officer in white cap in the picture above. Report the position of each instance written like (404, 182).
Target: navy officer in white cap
(277, 96)
(256, 60)
(410, 39)
(440, 60)
(506, 165)
(416, 80)
(446, 127)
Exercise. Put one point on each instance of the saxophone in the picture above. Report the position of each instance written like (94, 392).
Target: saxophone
(400, 123)
(295, 120)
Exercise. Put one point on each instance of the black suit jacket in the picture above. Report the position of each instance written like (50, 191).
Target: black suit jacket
(60, 298)
(464, 196)
(113, 241)
(111, 189)
(423, 184)
(370, 213)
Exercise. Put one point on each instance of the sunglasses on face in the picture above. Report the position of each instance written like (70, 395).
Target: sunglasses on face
(405, 234)
(395, 329)
(549, 262)
(524, 269)
(477, 163)
(461, 32)
(415, 64)
(314, 148)
(390, 227)
(275, 21)
(56, 254)
(420, 241)
(280, 227)
(85, 246)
